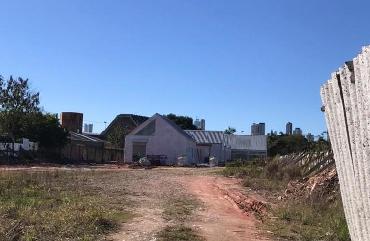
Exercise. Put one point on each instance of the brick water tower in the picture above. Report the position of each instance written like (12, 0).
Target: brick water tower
(72, 121)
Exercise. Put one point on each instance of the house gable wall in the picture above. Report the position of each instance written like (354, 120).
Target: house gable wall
(166, 140)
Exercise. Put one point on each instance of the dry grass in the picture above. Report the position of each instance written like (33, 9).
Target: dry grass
(299, 219)
(309, 222)
(59, 205)
(178, 233)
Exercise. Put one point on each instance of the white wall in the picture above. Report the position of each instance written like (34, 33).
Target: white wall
(166, 141)
(25, 145)
(248, 142)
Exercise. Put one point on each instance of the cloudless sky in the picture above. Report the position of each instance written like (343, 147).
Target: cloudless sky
(232, 62)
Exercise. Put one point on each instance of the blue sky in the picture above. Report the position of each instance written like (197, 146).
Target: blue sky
(230, 62)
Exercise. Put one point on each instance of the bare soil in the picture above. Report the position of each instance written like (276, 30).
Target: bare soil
(225, 211)
(222, 218)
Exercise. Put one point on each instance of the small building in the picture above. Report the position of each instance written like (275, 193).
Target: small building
(212, 146)
(248, 147)
(162, 141)
(85, 147)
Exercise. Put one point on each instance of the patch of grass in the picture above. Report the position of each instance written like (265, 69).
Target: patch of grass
(309, 222)
(55, 206)
(298, 218)
(264, 184)
(178, 233)
(242, 169)
(180, 208)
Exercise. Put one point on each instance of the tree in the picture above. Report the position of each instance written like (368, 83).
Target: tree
(117, 135)
(230, 130)
(286, 144)
(17, 101)
(20, 116)
(184, 122)
(46, 130)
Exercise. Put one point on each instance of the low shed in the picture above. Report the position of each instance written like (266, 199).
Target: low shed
(212, 146)
(248, 147)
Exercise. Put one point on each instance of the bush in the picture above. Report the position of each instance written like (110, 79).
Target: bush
(242, 169)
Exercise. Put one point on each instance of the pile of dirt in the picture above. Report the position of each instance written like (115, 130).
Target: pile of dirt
(246, 203)
(323, 185)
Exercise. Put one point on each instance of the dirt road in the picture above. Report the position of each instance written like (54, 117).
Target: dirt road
(221, 219)
(218, 219)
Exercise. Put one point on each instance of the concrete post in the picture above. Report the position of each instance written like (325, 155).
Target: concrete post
(346, 98)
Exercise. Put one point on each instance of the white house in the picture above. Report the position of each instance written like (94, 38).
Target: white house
(163, 142)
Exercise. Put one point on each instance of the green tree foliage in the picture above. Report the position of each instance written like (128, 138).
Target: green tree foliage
(230, 130)
(287, 144)
(20, 115)
(185, 122)
(46, 129)
(117, 135)
(17, 102)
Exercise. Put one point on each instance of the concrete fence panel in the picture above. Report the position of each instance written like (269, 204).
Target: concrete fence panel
(346, 100)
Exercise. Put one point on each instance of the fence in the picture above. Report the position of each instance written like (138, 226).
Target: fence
(81, 153)
(346, 100)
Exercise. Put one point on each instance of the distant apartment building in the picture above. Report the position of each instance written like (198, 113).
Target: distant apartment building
(200, 124)
(297, 131)
(258, 129)
(310, 137)
(289, 128)
(88, 128)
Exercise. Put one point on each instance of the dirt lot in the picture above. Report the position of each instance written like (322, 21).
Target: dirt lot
(169, 203)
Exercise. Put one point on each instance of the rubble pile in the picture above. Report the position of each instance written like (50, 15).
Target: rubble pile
(323, 185)
(310, 163)
(246, 203)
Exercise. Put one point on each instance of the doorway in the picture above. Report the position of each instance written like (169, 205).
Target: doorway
(138, 150)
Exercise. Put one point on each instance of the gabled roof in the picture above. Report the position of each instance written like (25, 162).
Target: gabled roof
(136, 119)
(158, 116)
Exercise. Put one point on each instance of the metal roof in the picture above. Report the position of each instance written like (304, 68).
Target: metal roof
(208, 137)
(83, 137)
